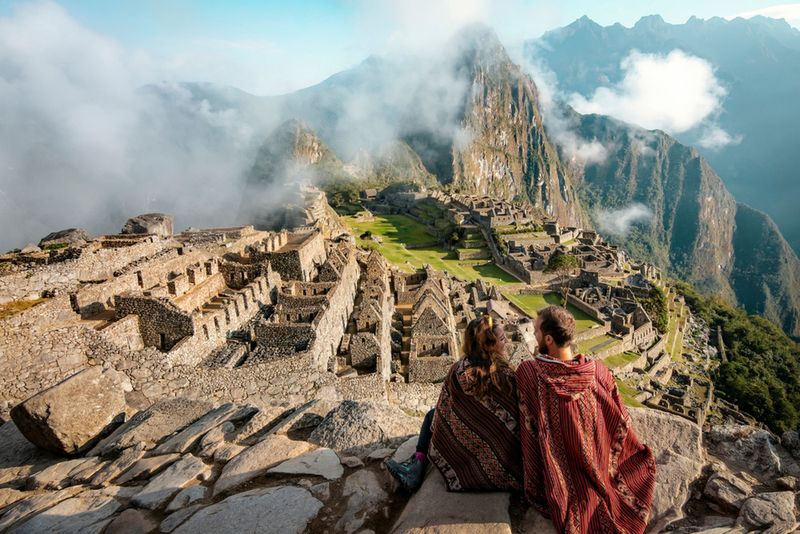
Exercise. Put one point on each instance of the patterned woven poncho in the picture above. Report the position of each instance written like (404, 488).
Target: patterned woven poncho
(584, 465)
(475, 442)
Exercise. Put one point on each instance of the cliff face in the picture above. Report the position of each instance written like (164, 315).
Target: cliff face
(507, 153)
(766, 271)
(697, 230)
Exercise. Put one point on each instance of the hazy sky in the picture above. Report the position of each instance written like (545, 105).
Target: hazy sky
(271, 47)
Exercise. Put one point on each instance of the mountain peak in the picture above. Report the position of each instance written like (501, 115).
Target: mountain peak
(650, 22)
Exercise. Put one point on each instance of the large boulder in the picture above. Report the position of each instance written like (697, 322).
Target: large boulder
(72, 237)
(281, 509)
(676, 445)
(152, 425)
(775, 511)
(753, 450)
(434, 510)
(149, 223)
(357, 427)
(71, 416)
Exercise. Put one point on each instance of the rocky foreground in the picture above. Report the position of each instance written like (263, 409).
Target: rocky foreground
(184, 466)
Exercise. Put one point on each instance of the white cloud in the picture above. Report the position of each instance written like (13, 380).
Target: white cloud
(790, 12)
(674, 93)
(559, 126)
(80, 145)
(715, 138)
(619, 221)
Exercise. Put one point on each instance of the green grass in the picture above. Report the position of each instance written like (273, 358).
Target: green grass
(398, 230)
(628, 392)
(597, 343)
(620, 360)
(531, 304)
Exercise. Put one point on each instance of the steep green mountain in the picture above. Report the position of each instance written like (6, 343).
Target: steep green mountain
(698, 232)
(470, 114)
(758, 62)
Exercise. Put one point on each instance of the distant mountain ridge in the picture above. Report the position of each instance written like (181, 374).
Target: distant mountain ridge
(758, 62)
(697, 229)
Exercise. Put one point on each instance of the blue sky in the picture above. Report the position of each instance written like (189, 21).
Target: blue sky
(269, 46)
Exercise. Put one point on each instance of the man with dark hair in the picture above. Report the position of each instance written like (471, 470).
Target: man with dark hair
(583, 464)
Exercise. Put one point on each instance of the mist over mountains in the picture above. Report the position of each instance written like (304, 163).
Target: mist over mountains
(749, 94)
(466, 117)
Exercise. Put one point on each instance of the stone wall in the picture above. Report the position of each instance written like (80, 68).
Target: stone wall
(417, 397)
(161, 323)
(299, 257)
(94, 263)
(46, 344)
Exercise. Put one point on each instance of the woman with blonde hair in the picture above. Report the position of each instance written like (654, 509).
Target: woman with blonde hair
(472, 435)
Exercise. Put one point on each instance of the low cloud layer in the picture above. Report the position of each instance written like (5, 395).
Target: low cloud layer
(675, 93)
(620, 221)
(559, 125)
(82, 145)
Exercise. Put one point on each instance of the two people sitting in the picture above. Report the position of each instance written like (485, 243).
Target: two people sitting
(556, 429)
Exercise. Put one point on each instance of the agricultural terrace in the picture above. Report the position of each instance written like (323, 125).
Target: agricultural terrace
(394, 232)
(531, 304)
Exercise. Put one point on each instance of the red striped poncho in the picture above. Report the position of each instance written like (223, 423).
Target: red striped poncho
(475, 443)
(584, 466)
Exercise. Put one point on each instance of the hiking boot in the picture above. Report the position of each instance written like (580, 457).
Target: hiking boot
(410, 473)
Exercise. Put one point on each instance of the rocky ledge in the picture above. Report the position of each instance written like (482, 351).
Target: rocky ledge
(184, 466)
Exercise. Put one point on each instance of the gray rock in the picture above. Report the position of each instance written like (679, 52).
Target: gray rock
(132, 521)
(188, 496)
(146, 467)
(774, 510)
(353, 427)
(283, 509)
(149, 223)
(727, 490)
(215, 438)
(380, 453)
(29, 506)
(187, 438)
(752, 449)
(167, 484)
(30, 248)
(259, 425)
(73, 237)
(321, 462)
(56, 476)
(172, 521)
(352, 461)
(113, 469)
(257, 459)
(675, 443)
(364, 494)
(70, 416)
(434, 510)
(791, 441)
(536, 523)
(19, 458)
(88, 512)
(152, 425)
(84, 472)
(406, 449)
(321, 491)
(9, 496)
(227, 451)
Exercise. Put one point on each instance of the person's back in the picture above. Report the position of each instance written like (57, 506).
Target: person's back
(583, 464)
(472, 436)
